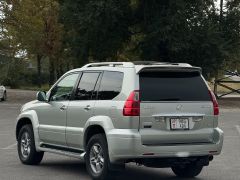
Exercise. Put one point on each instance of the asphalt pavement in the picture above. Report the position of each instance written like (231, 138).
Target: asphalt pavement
(55, 167)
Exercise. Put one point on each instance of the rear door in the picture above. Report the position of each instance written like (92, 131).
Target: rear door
(81, 108)
(176, 108)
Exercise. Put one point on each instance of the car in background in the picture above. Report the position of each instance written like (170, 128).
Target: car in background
(3, 93)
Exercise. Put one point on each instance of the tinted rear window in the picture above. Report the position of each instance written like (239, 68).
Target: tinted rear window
(86, 86)
(111, 85)
(173, 86)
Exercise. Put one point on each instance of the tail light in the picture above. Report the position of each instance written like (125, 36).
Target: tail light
(215, 103)
(132, 105)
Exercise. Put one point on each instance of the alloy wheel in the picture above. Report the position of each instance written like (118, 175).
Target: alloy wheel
(25, 145)
(96, 158)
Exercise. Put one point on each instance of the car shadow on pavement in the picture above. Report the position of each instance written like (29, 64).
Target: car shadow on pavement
(131, 172)
(69, 167)
(143, 173)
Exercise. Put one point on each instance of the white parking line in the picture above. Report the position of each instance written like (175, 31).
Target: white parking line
(238, 129)
(8, 104)
(231, 136)
(10, 147)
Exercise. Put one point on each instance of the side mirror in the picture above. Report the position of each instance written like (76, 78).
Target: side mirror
(41, 96)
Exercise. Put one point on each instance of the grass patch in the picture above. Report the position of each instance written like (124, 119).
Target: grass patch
(221, 89)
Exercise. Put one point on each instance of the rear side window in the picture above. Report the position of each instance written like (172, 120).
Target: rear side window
(111, 85)
(86, 86)
(173, 86)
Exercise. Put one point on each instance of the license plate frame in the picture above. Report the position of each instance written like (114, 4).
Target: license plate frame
(177, 123)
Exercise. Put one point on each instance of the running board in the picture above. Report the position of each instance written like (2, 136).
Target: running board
(63, 151)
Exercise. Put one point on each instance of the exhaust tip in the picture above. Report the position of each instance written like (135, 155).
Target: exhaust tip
(210, 158)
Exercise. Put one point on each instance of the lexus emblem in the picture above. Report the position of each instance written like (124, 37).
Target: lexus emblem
(179, 107)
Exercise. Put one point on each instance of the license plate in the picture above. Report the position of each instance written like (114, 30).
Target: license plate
(179, 123)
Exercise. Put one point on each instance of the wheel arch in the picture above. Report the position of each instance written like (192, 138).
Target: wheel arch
(29, 117)
(96, 125)
(22, 122)
(90, 131)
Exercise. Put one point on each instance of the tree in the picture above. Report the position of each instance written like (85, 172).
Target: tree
(231, 29)
(95, 29)
(34, 25)
(186, 31)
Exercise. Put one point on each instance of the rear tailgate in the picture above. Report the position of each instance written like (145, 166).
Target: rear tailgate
(176, 108)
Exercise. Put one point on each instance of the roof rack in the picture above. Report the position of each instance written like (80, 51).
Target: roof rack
(153, 63)
(110, 64)
(144, 62)
(132, 64)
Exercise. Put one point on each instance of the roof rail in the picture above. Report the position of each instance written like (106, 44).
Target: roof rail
(144, 62)
(154, 63)
(111, 64)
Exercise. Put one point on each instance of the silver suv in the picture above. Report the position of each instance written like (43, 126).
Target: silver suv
(153, 114)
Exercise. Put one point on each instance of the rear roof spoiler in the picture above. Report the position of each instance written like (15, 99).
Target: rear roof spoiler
(170, 69)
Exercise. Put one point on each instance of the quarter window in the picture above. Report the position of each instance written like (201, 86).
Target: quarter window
(111, 85)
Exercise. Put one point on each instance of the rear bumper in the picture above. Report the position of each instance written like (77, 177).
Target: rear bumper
(126, 145)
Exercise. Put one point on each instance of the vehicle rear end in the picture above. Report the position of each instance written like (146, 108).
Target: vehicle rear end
(179, 114)
(178, 119)
(176, 107)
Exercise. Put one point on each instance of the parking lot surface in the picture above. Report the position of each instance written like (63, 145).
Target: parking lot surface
(55, 167)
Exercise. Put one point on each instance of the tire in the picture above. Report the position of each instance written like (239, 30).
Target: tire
(188, 171)
(97, 150)
(26, 147)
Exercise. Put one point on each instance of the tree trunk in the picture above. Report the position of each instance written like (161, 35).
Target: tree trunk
(59, 68)
(59, 71)
(39, 71)
(51, 72)
(221, 12)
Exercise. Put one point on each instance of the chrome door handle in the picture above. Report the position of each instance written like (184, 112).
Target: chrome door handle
(63, 108)
(87, 108)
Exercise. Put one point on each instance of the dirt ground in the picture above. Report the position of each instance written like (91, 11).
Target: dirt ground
(23, 96)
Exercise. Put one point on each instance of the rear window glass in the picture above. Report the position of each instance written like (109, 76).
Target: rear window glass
(85, 89)
(173, 86)
(111, 85)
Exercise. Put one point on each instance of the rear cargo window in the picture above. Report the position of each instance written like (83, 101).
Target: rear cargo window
(173, 86)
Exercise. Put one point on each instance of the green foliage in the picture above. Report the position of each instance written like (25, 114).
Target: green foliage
(182, 31)
(96, 29)
(231, 28)
(70, 33)
(11, 71)
(34, 26)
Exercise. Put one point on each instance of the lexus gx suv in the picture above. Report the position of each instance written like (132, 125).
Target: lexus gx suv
(109, 114)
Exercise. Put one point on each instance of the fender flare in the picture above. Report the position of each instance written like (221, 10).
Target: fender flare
(104, 122)
(32, 116)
